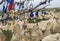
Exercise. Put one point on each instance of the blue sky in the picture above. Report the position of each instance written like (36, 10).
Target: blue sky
(54, 3)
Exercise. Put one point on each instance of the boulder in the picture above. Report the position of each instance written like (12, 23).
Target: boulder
(52, 37)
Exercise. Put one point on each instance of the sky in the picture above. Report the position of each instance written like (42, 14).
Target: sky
(53, 4)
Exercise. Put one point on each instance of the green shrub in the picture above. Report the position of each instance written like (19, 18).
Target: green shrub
(8, 34)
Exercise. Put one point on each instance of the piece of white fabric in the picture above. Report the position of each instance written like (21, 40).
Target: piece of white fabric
(16, 7)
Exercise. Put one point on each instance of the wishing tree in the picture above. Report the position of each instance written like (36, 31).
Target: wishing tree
(9, 5)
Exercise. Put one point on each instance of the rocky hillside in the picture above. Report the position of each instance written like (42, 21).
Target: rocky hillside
(47, 29)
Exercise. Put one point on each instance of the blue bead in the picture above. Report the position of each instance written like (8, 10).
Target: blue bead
(31, 15)
(16, 18)
(36, 13)
(22, 6)
(44, 12)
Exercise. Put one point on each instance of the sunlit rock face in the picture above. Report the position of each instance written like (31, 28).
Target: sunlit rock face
(52, 37)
